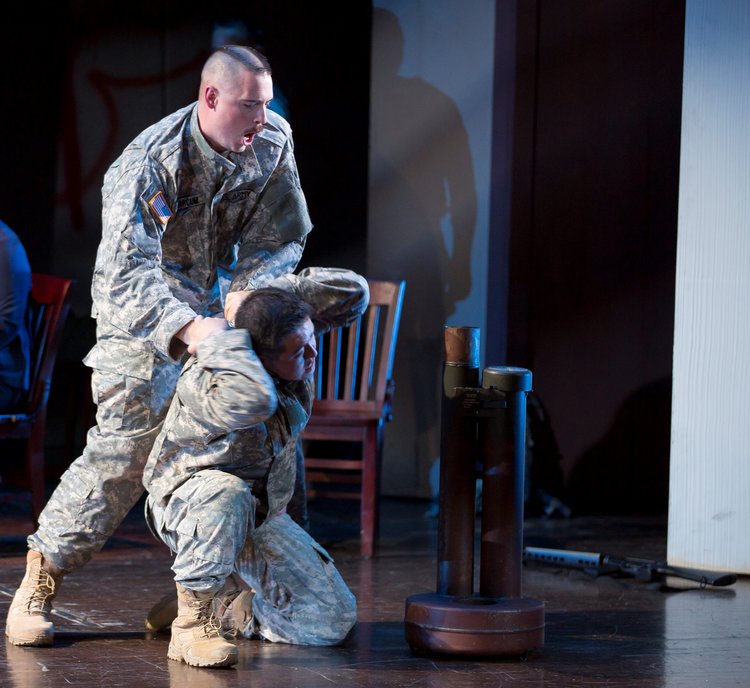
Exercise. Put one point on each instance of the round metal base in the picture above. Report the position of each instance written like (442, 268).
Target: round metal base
(474, 625)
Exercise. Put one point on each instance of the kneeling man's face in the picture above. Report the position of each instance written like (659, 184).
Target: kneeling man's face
(297, 358)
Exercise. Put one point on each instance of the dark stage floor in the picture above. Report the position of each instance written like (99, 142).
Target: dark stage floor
(615, 632)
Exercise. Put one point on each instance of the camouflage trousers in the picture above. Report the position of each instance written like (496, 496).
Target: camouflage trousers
(300, 597)
(101, 486)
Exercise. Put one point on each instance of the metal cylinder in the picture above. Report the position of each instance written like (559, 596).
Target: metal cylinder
(487, 422)
(502, 438)
(456, 515)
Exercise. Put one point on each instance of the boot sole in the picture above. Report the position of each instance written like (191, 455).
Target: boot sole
(36, 641)
(178, 656)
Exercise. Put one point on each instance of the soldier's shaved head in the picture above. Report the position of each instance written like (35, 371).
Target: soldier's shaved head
(224, 66)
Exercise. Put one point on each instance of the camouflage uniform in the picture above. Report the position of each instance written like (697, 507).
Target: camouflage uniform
(222, 472)
(182, 225)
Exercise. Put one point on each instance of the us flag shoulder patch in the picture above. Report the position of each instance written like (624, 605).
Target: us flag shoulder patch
(160, 207)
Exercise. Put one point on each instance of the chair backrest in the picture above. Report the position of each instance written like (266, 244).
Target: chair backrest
(355, 363)
(48, 309)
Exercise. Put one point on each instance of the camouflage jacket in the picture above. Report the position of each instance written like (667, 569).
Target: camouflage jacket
(182, 225)
(229, 414)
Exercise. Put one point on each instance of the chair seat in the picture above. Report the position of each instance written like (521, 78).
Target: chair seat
(343, 417)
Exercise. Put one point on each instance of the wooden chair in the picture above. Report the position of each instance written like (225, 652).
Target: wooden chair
(354, 378)
(47, 311)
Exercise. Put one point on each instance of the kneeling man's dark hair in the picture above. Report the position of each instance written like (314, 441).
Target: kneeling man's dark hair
(270, 315)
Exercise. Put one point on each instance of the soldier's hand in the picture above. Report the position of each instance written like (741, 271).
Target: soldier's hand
(197, 330)
(232, 303)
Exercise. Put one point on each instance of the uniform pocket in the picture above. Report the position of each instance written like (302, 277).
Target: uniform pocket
(123, 402)
(290, 216)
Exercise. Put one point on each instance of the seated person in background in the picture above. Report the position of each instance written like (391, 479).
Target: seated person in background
(15, 287)
(222, 472)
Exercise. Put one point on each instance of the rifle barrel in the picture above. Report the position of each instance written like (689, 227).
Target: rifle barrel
(563, 557)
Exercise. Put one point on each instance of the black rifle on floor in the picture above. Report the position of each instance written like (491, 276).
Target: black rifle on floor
(598, 564)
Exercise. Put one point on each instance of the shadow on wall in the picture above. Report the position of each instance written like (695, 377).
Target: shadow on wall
(422, 222)
(627, 470)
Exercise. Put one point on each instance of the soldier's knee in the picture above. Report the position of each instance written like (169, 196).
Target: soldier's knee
(229, 489)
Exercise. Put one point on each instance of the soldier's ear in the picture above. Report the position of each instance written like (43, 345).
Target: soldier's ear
(211, 96)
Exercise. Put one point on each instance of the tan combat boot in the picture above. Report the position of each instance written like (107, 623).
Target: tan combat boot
(28, 621)
(233, 607)
(196, 633)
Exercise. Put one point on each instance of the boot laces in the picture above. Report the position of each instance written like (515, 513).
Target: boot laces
(43, 587)
(210, 624)
(211, 627)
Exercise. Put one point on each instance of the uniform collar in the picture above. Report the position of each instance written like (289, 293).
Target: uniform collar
(203, 145)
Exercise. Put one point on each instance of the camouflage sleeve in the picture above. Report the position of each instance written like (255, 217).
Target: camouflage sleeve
(272, 243)
(223, 388)
(337, 295)
(130, 287)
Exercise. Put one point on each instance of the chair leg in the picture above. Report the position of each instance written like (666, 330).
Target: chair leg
(35, 468)
(369, 503)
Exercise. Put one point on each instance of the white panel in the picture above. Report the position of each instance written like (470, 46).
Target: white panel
(709, 510)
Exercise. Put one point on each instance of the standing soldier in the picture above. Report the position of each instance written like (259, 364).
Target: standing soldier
(199, 209)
